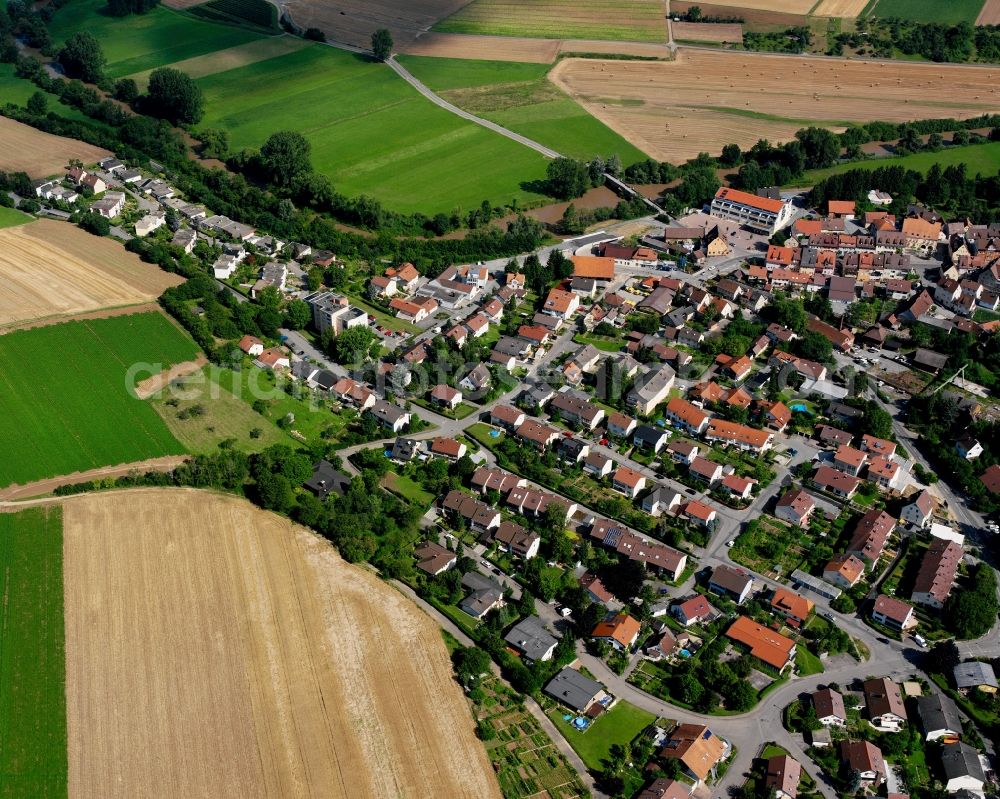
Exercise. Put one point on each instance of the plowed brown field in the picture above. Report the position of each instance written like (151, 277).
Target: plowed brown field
(704, 100)
(840, 8)
(53, 269)
(40, 154)
(989, 14)
(707, 31)
(354, 21)
(213, 649)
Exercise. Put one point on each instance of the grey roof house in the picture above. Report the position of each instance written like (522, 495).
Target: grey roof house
(572, 689)
(531, 639)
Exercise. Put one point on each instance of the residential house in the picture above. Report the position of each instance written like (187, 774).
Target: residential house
(884, 473)
(706, 470)
(937, 573)
(406, 277)
(782, 775)
(686, 416)
(434, 559)
(570, 688)
(486, 479)
(110, 205)
(763, 643)
(598, 464)
(829, 707)
(863, 761)
(663, 788)
(537, 434)
(794, 607)
(697, 748)
(477, 515)
(836, 482)
(844, 570)
(485, 595)
(576, 410)
(595, 589)
(516, 540)
(446, 396)
(414, 311)
(477, 380)
(507, 417)
(699, 513)
(448, 448)
(650, 438)
(870, 535)
(390, 416)
(968, 448)
(251, 345)
(795, 507)
(884, 704)
(738, 435)
(683, 451)
(660, 500)
(326, 480)
(732, 582)
(651, 389)
(739, 487)
(149, 223)
(696, 610)
(561, 303)
(893, 613)
(628, 481)
(776, 415)
(939, 717)
(531, 640)
(620, 425)
(877, 446)
(920, 511)
(572, 450)
(963, 771)
(273, 359)
(760, 214)
(620, 631)
(849, 460)
(975, 674)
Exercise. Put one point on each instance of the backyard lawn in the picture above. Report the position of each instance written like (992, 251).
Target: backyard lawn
(617, 726)
(65, 405)
(33, 760)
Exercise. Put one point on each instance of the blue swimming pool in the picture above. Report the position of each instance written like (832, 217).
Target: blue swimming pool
(494, 434)
(800, 407)
(685, 653)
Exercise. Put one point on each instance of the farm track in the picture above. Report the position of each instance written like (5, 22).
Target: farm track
(38, 488)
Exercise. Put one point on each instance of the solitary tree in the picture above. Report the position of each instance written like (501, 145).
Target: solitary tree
(126, 90)
(38, 104)
(81, 57)
(382, 44)
(173, 96)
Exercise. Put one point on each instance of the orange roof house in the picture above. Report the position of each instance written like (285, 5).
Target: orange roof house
(750, 200)
(764, 644)
(791, 605)
(594, 267)
(697, 747)
(620, 631)
(779, 256)
(840, 207)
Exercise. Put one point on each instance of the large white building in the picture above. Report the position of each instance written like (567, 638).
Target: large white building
(760, 214)
(333, 312)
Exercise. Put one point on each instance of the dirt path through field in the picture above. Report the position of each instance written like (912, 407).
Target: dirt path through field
(47, 486)
(214, 649)
(151, 385)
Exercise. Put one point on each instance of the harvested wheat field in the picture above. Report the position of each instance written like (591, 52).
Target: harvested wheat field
(705, 100)
(214, 649)
(354, 21)
(989, 14)
(40, 154)
(839, 8)
(54, 269)
(484, 48)
(707, 31)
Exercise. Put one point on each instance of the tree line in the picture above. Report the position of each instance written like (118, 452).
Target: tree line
(935, 41)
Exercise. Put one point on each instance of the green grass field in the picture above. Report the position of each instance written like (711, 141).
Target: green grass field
(225, 416)
(929, 10)
(979, 158)
(11, 217)
(619, 20)
(64, 403)
(519, 97)
(144, 41)
(33, 760)
(16, 91)
(371, 133)
(618, 726)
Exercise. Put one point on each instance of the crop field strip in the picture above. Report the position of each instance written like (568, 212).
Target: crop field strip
(519, 97)
(951, 11)
(33, 761)
(371, 133)
(705, 100)
(40, 154)
(990, 13)
(630, 20)
(53, 269)
(63, 397)
(145, 41)
(276, 684)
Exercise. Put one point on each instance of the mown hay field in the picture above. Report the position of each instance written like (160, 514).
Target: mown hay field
(32, 659)
(53, 269)
(26, 149)
(65, 405)
(519, 97)
(371, 133)
(223, 651)
(354, 21)
(629, 20)
(707, 32)
(705, 100)
(840, 8)
(989, 14)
